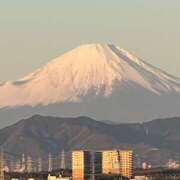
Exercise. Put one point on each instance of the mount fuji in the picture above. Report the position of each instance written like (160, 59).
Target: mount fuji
(102, 81)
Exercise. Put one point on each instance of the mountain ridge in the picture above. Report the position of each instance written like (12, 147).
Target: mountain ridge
(53, 134)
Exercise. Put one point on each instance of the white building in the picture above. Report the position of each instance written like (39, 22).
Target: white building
(140, 178)
(58, 178)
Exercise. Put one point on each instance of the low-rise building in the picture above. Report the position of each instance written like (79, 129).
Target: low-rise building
(58, 178)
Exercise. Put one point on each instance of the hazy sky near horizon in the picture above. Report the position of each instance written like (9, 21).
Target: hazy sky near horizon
(33, 32)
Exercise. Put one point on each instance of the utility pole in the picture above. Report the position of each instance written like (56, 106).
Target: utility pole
(23, 163)
(50, 162)
(39, 164)
(63, 160)
(2, 165)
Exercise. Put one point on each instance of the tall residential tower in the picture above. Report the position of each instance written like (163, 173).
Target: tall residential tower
(81, 165)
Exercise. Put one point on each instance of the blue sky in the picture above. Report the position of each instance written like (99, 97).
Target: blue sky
(33, 32)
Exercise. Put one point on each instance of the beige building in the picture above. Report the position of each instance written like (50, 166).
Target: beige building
(81, 165)
(110, 162)
(117, 162)
(126, 159)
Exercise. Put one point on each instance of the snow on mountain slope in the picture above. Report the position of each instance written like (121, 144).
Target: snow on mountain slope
(93, 68)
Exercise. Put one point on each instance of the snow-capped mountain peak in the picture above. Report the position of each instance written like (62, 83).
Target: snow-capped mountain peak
(98, 69)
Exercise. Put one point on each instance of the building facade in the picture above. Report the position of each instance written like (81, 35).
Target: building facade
(97, 164)
(86, 165)
(118, 162)
(126, 161)
(110, 162)
(81, 165)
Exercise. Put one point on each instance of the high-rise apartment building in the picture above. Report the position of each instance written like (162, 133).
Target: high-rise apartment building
(86, 165)
(81, 165)
(110, 162)
(126, 161)
(117, 162)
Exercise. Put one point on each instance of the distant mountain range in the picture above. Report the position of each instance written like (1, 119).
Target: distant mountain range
(155, 141)
(97, 80)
